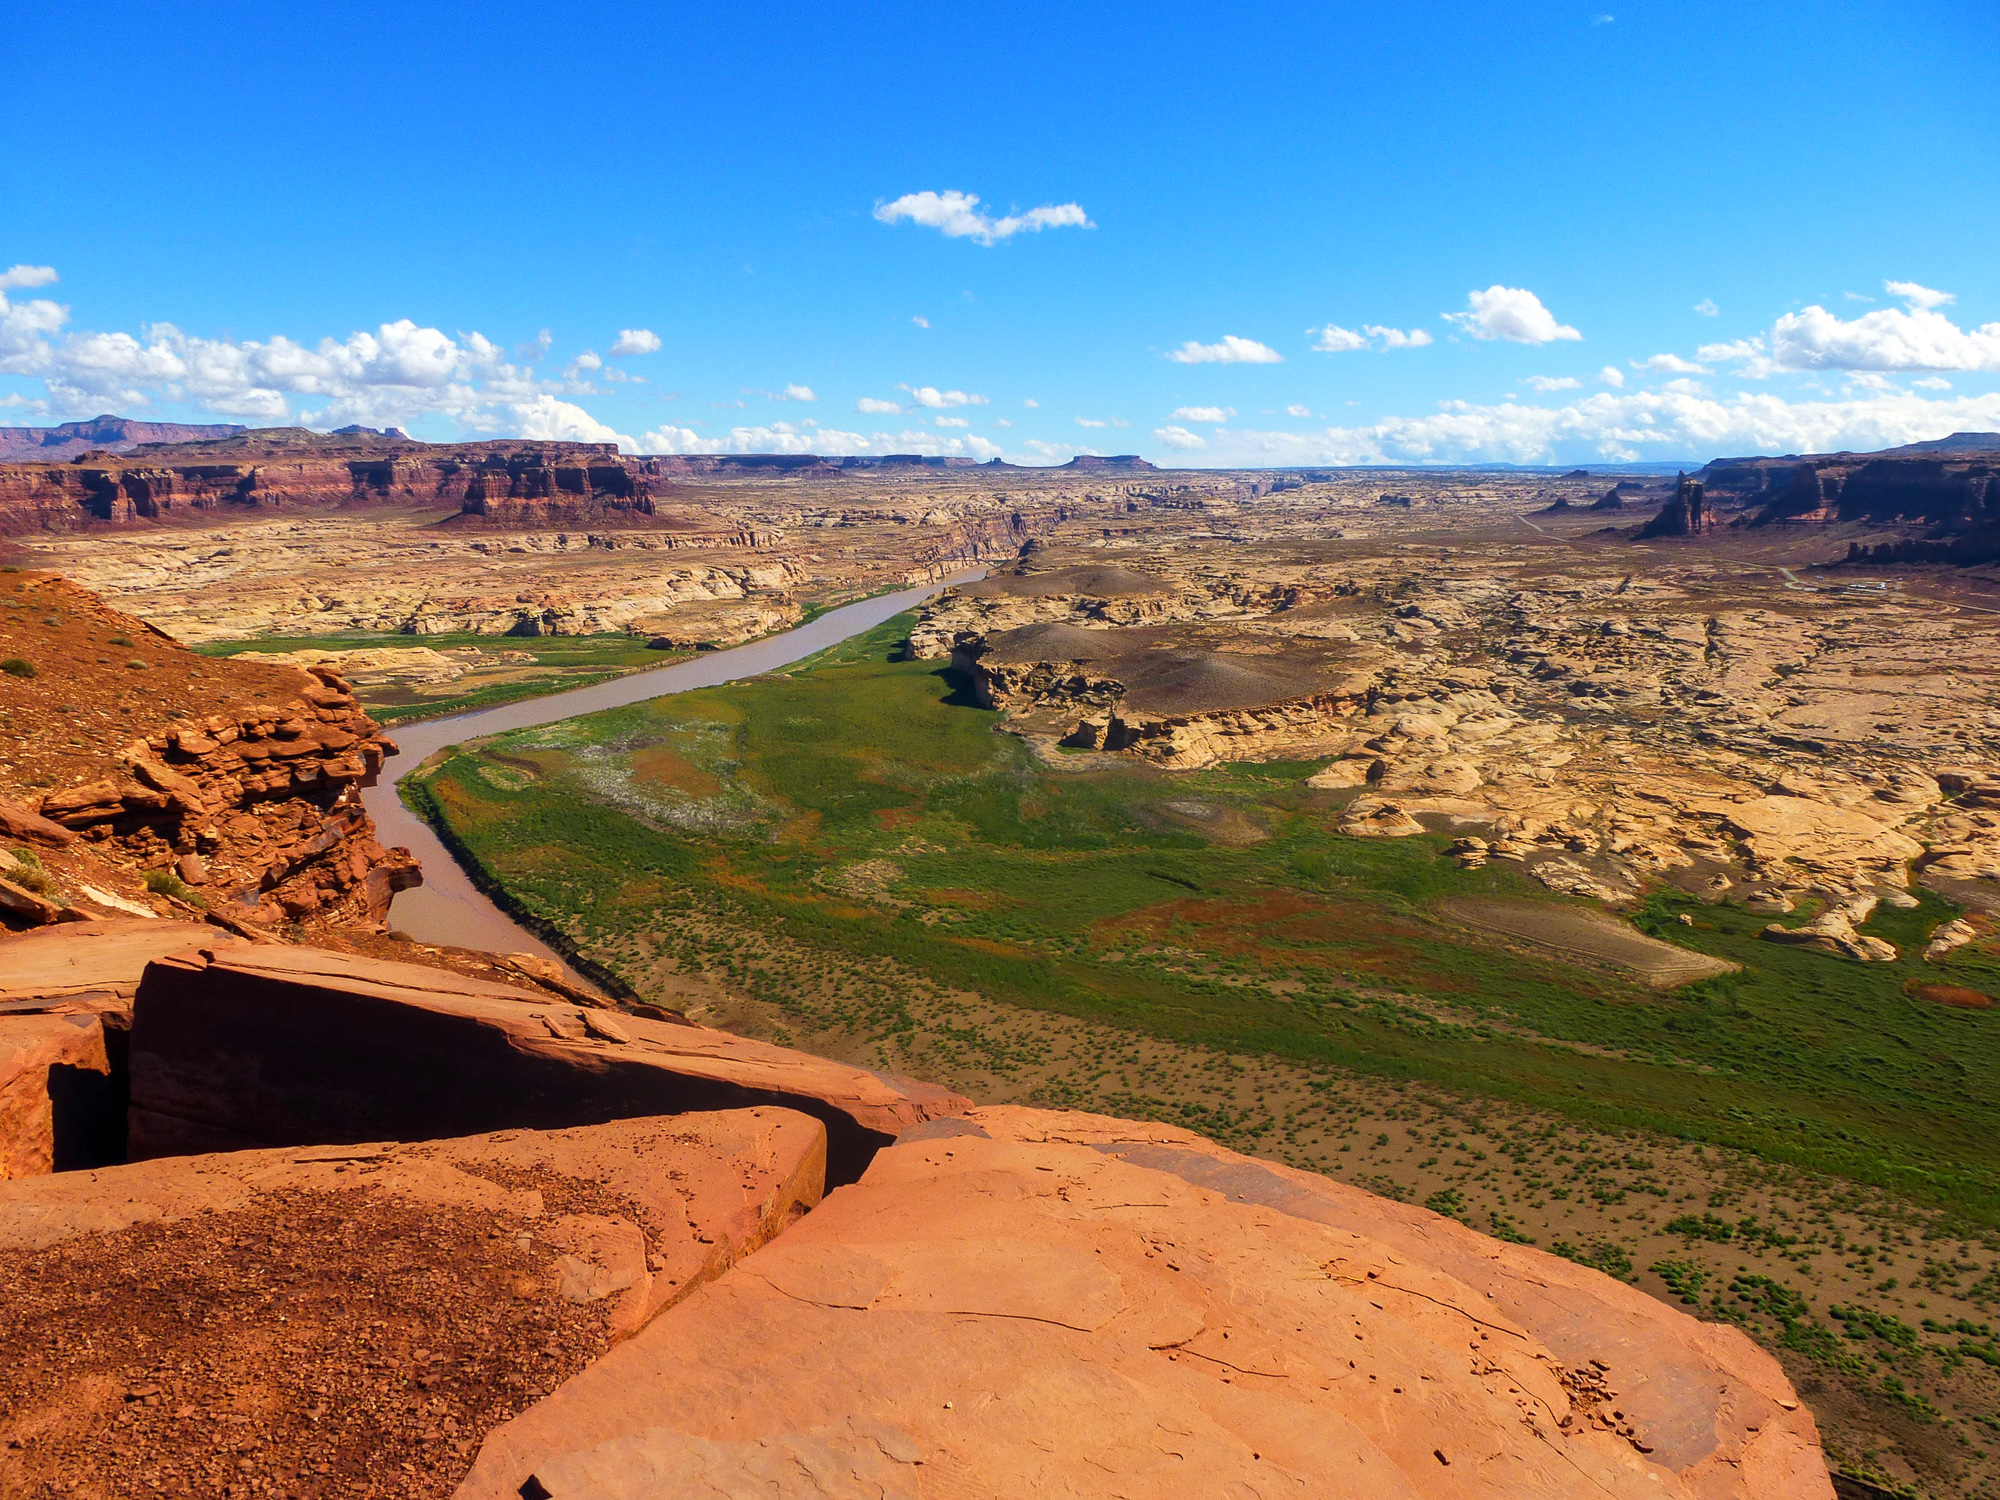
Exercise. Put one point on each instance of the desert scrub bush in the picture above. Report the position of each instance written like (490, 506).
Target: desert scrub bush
(26, 871)
(119, 640)
(136, 665)
(19, 666)
(167, 883)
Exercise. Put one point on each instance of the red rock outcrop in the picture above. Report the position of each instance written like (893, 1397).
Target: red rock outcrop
(65, 1014)
(240, 781)
(276, 1045)
(417, 1292)
(1687, 514)
(1021, 1303)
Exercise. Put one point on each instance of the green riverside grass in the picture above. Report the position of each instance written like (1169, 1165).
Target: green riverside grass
(863, 805)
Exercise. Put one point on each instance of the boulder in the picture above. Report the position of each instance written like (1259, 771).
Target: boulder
(386, 1302)
(60, 1091)
(18, 823)
(278, 1045)
(1022, 1302)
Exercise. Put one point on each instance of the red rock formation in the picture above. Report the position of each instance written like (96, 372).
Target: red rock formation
(1025, 1303)
(105, 433)
(1687, 514)
(247, 779)
(276, 1045)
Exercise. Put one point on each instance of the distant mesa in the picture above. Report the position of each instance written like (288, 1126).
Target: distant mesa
(1092, 461)
(1555, 508)
(109, 434)
(1577, 474)
(1609, 500)
(357, 430)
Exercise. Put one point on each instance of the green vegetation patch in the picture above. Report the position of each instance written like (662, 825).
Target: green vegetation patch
(863, 806)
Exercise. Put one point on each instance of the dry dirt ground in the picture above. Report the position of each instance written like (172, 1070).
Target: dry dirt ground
(318, 1345)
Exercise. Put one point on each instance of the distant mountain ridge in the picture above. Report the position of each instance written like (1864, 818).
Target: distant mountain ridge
(108, 433)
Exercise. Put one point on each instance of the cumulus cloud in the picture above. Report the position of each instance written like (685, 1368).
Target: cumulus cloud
(1681, 423)
(1511, 313)
(1669, 364)
(1707, 308)
(635, 341)
(930, 395)
(1203, 413)
(1914, 337)
(1030, 401)
(388, 377)
(20, 277)
(1090, 422)
(784, 437)
(1612, 376)
(1231, 351)
(792, 392)
(1178, 437)
(1547, 383)
(957, 216)
(1295, 410)
(1333, 339)
(869, 406)
(1909, 291)
(546, 419)
(950, 422)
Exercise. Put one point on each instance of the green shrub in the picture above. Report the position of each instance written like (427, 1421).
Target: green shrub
(136, 665)
(120, 640)
(167, 883)
(18, 666)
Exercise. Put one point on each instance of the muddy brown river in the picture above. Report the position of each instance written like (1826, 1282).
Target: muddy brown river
(447, 907)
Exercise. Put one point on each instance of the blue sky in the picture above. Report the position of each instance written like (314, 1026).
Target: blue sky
(1692, 212)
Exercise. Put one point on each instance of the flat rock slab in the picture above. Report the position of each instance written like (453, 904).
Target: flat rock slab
(268, 1045)
(334, 1314)
(103, 958)
(1021, 1302)
(1588, 934)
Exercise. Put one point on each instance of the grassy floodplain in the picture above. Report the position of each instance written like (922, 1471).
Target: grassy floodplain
(862, 806)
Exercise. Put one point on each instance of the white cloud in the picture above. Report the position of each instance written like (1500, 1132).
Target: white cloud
(784, 437)
(635, 341)
(1717, 354)
(930, 395)
(546, 419)
(1612, 376)
(1296, 410)
(796, 392)
(588, 360)
(921, 321)
(536, 348)
(1669, 364)
(1918, 296)
(19, 277)
(1512, 313)
(1546, 383)
(1914, 338)
(1030, 401)
(950, 422)
(1667, 424)
(1707, 308)
(1933, 383)
(1231, 351)
(1178, 437)
(1203, 413)
(1002, 422)
(1054, 452)
(872, 407)
(1397, 338)
(956, 215)
(1333, 339)
(1090, 422)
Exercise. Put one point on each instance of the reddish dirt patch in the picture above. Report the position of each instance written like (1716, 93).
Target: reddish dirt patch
(1279, 930)
(317, 1345)
(664, 768)
(892, 818)
(1957, 997)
